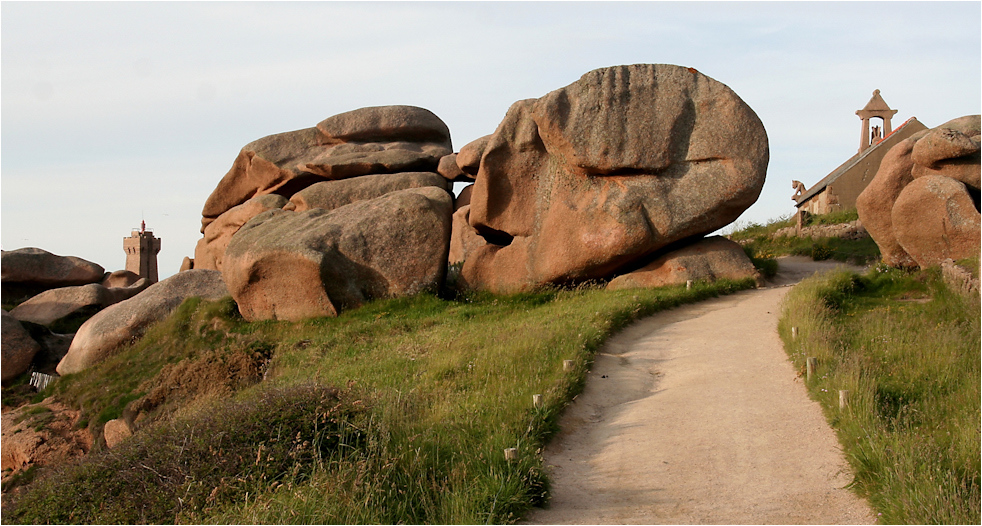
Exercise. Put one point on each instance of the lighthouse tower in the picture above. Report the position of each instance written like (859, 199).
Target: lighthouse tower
(141, 252)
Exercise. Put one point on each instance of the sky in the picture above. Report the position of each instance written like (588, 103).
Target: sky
(113, 113)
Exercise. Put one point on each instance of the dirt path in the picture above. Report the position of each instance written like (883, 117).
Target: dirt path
(695, 416)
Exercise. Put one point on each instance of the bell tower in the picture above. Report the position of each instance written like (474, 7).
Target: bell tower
(141, 252)
(876, 107)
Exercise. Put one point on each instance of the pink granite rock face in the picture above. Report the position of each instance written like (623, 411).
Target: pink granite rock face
(383, 139)
(597, 175)
(210, 251)
(294, 265)
(923, 204)
(935, 219)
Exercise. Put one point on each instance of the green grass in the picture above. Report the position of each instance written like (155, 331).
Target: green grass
(429, 394)
(907, 350)
(761, 244)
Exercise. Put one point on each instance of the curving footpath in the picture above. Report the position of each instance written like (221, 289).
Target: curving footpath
(696, 416)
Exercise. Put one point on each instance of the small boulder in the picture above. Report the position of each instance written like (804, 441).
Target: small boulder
(469, 157)
(250, 176)
(710, 258)
(116, 431)
(120, 279)
(934, 219)
(386, 139)
(940, 144)
(329, 195)
(117, 325)
(448, 168)
(296, 265)
(18, 348)
(386, 123)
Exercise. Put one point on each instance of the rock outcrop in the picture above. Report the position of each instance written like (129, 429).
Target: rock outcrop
(105, 333)
(923, 204)
(293, 265)
(17, 348)
(598, 175)
(710, 259)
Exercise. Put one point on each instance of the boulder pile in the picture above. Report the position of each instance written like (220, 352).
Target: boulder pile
(922, 207)
(594, 180)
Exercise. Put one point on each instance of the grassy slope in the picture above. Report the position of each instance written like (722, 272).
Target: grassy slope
(907, 350)
(758, 242)
(397, 412)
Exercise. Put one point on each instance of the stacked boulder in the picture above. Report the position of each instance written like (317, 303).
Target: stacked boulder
(595, 179)
(54, 295)
(311, 222)
(922, 207)
(604, 177)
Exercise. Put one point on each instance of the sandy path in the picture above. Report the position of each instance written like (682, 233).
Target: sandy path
(696, 416)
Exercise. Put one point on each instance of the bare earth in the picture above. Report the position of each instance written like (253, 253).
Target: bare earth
(696, 416)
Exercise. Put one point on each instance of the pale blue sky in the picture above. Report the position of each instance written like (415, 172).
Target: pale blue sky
(116, 111)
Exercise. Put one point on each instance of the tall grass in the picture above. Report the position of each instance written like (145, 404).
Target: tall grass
(446, 386)
(907, 351)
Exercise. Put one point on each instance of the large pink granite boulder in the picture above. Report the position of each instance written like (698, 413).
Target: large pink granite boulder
(951, 150)
(875, 203)
(595, 176)
(935, 219)
(709, 259)
(107, 332)
(61, 305)
(295, 265)
(34, 265)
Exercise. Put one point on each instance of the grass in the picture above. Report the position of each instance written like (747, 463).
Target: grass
(907, 350)
(423, 396)
(761, 244)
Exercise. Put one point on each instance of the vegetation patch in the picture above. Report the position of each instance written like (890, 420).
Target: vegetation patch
(189, 466)
(432, 393)
(906, 350)
(761, 241)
